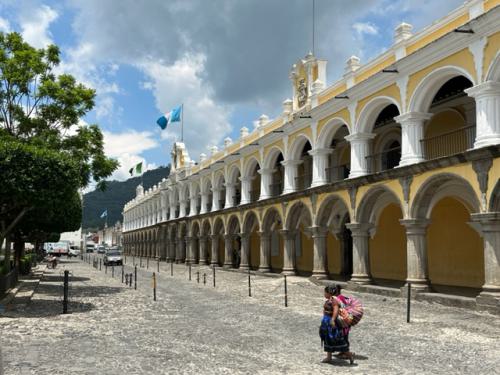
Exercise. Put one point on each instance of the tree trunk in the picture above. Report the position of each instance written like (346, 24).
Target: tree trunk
(18, 252)
(6, 263)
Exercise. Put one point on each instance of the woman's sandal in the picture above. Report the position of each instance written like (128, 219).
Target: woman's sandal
(351, 358)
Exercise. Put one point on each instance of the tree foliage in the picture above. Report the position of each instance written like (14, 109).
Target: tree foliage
(46, 155)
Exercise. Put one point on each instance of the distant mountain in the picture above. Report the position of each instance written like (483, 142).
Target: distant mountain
(114, 198)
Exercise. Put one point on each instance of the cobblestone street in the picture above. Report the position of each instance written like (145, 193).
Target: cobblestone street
(196, 328)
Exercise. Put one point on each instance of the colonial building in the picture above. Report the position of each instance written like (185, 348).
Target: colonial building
(387, 176)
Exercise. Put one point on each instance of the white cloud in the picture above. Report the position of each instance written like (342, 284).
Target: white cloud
(127, 148)
(4, 25)
(365, 28)
(205, 121)
(35, 26)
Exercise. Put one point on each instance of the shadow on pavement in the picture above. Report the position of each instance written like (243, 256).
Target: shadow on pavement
(60, 278)
(45, 308)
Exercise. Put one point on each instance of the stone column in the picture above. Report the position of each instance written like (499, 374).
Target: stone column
(245, 251)
(215, 250)
(202, 254)
(265, 183)
(320, 163)
(265, 252)
(171, 251)
(319, 261)
(215, 199)
(189, 250)
(246, 184)
(412, 132)
(416, 253)
(360, 253)
(289, 253)
(360, 149)
(490, 227)
(230, 192)
(172, 212)
(228, 250)
(192, 205)
(179, 249)
(204, 202)
(182, 209)
(487, 97)
(290, 175)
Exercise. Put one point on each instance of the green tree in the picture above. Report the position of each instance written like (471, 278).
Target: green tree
(46, 156)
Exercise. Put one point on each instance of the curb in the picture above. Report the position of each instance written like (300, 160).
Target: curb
(35, 277)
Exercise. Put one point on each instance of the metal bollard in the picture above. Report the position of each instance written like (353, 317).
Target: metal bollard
(140, 262)
(249, 284)
(135, 277)
(113, 271)
(214, 274)
(105, 269)
(130, 279)
(408, 304)
(158, 265)
(189, 271)
(204, 279)
(122, 273)
(126, 279)
(65, 292)
(100, 264)
(154, 286)
(172, 269)
(198, 277)
(133, 260)
(286, 292)
(125, 259)
(147, 263)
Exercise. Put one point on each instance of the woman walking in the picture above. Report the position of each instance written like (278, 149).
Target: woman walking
(333, 336)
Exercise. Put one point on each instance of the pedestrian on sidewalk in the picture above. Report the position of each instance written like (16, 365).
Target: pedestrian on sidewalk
(334, 337)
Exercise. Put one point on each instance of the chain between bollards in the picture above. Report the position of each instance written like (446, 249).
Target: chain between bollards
(286, 292)
(408, 304)
(154, 286)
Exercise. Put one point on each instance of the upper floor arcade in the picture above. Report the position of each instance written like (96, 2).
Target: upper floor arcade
(407, 106)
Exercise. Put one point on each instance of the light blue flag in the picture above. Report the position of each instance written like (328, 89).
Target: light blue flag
(175, 115)
(104, 214)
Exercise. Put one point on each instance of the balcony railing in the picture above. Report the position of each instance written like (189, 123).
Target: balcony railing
(337, 172)
(254, 195)
(276, 189)
(382, 161)
(303, 181)
(449, 143)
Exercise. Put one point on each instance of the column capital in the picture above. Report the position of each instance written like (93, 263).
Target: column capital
(360, 229)
(415, 226)
(265, 171)
(230, 184)
(318, 231)
(264, 234)
(357, 137)
(320, 151)
(490, 221)
(410, 117)
(286, 233)
(291, 162)
(488, 88)
(245, 235)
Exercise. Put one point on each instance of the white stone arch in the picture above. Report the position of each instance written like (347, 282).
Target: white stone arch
(272, 155)
(206, 185)
(298, 213)
(298, 144)
(427, 88)
(493, 73)
(219, 180)
(329, 130)
(373, 203)
(371, 111)
(332, 212)
(232, 176)
(194, 189)
(250, 166)
(442, 186)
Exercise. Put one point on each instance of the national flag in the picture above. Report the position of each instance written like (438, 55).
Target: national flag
(104, 214)
(175, 115)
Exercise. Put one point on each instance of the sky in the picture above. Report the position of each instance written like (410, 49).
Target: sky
(227, 61)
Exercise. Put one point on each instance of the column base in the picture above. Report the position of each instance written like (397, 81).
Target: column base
(244, 267)
(319, 274)
(355, 174)
(264, 269)
(410, 160)
(417, 286)
(319, 183)
(288, 191)
(489, 140)
(288, 272)
(361, 279)
(228, 265)
(488, 301)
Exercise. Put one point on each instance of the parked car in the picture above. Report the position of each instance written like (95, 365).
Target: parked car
(113, 258)
(74, 251)
(101, 250)
(90, 248)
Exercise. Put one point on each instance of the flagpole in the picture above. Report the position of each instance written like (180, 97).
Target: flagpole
(182, 122)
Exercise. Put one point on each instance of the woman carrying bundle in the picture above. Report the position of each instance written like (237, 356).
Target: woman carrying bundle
(334, 337)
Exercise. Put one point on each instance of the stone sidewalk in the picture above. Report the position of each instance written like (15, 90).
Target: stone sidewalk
(196, 328)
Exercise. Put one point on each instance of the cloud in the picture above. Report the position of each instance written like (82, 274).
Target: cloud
(4, 25)
(365, 28)
(127, 148)
(35, 25)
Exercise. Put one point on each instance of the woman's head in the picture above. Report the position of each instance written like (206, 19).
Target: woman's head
(332, 290)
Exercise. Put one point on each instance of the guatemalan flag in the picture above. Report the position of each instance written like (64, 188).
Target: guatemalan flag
(173, 116)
